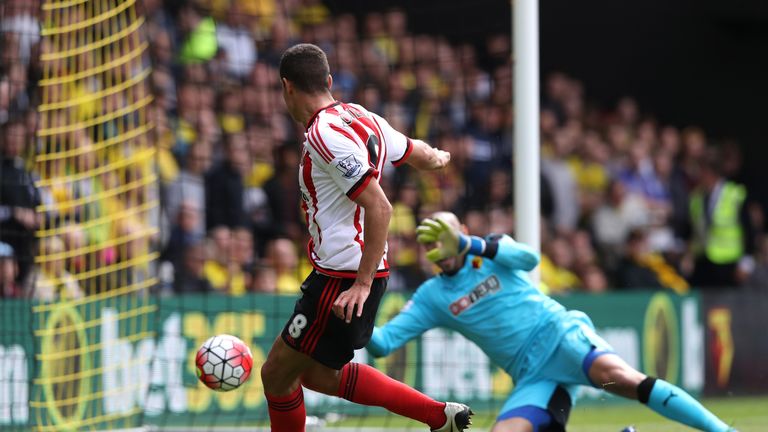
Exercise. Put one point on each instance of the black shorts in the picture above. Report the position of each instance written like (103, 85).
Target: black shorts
(316, 331)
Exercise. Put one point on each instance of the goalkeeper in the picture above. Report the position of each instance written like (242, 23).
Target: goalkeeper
(484, 293)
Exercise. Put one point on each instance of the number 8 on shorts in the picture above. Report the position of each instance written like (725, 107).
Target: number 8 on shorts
(297, 325)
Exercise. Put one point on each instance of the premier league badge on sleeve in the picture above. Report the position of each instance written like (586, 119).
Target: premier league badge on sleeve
(349, 166)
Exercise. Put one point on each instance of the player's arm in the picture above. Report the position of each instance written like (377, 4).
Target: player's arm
(412, 321)
(450, 242)
(510, 253)
(378, 211)
(414, 152)
(425, 157)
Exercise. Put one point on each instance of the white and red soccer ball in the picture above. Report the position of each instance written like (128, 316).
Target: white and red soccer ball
(224, 363)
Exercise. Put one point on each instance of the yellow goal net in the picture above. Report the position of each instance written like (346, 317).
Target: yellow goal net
(93, 314)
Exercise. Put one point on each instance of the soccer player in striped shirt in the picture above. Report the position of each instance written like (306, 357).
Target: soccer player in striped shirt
(344, 155)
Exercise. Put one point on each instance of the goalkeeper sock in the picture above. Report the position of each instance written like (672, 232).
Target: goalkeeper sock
(365, 385)
(676, 404)
(287, 413)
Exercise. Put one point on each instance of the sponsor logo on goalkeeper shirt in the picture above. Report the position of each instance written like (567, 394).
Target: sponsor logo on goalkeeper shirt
(484, 288)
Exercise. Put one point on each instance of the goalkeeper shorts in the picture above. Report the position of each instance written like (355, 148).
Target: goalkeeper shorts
(316, 331)
(560, 376)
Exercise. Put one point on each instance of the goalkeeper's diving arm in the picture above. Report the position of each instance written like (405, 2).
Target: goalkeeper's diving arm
(412, 321)
(503, 250)
(444, 235)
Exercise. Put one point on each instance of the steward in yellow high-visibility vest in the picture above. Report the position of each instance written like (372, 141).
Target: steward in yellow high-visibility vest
(721, 230)
(718, 224)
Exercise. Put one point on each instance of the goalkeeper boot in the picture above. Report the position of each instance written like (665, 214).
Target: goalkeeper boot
(457, 418)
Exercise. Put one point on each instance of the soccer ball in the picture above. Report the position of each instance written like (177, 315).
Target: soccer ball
(223, 363)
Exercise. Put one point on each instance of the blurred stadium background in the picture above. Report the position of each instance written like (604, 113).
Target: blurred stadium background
(148, 194)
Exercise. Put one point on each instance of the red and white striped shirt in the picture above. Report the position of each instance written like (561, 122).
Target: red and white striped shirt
(345, 147)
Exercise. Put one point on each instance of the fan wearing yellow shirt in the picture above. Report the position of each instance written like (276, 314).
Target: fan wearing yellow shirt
(225, 275)
(282, 255)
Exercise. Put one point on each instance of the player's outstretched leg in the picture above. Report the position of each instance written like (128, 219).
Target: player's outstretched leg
(675, 403)
(365, 385)
(613, 374)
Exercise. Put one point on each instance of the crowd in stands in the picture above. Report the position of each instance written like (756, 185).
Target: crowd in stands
(627, 202)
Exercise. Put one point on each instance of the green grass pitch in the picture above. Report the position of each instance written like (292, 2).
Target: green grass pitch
(747, 414)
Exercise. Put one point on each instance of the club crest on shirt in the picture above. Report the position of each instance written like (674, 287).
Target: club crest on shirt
(350, 113)
(349, 166)
(345, 117)
(484, 288)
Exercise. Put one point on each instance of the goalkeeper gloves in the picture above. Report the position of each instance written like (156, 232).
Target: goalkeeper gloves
(449, 241)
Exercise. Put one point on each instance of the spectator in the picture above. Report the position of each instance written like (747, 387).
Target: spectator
(182, 123)
(161, 51)
(257, 204)
(264, 279)
(403, 252)
(283, 195)
(224, 187)
(638, 177)
(613, 220)
(670, 214)
(404, 209)
(5, 100)
(225, 275)
(189, 186)
(184, 233)
(486, 152)
(584, 254)
(561, 183)
(241, 253)
(75, 239)
(230, 112)
(500, 220)
(18, 198)
(594, 280)
(234, 37)
(694, 143)
(190, 277)
(641, 268)
(556, 266)
(16, 87)
(282, 256)
(9, 288)
(721, 234)
(198, 34)
(311, 12)
(54, 282)
(129, 270)
(19, 19)
(590, 171)
(500, 189)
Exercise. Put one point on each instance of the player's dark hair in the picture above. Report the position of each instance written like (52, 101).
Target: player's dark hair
(306, 66)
